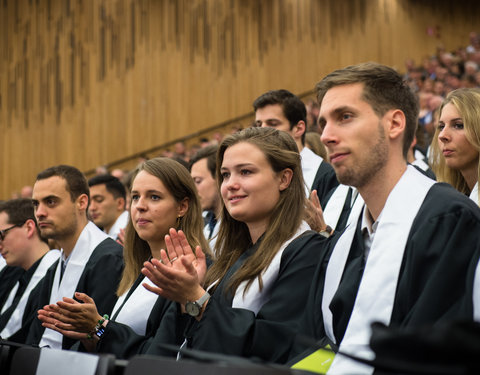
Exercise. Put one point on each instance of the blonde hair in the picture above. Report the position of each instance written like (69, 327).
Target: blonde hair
(233, 239)
(467, 103)
(180, 184)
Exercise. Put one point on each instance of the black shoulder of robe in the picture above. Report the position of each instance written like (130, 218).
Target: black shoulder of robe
(8, 278)
(436, 275)
(237, 331)
(24, 280)
(38, 298)
(99, 280)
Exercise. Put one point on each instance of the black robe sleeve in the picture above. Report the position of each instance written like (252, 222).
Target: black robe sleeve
(236, 331)
(442, 247)
(165, 325)
(171, 332)
(38, 298)
(120, 340)
(436, 276)
(99, 280)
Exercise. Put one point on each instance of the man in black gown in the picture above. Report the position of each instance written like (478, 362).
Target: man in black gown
(22, 247)
(90, 261)
(403, 258)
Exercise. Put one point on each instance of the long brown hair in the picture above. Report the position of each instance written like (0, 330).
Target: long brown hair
(467, 103)
(233, 239)
(180, 184)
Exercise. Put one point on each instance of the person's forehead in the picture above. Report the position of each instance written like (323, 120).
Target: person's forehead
(51, 186)
(343, 96)
(4, 220)
(270, 111)
(243, 153)
(100, 189)
(200, 166)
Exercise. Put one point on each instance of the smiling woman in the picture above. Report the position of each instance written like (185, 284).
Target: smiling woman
(255, 292)
(456, 144)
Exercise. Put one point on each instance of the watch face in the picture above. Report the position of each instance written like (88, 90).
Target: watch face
(192, 309)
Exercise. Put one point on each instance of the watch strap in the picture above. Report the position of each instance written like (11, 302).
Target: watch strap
(203, 299)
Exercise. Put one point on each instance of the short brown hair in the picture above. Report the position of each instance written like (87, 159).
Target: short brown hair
(383, 88)
(209, 153)
(76, 182)
(19, 211)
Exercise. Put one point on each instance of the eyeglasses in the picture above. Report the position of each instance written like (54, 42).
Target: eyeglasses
(3, 233)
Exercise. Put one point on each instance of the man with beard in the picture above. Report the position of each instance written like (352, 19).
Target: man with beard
(90, 261)
(403, 258)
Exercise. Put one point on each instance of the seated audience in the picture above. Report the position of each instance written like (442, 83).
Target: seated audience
(163, 197)
(265, 252)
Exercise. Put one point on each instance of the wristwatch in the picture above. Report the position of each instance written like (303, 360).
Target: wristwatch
(194, 308)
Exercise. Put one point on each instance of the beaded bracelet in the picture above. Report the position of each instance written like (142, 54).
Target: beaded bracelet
(99, 329)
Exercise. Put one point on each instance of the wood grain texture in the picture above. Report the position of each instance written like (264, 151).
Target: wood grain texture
(87, 82)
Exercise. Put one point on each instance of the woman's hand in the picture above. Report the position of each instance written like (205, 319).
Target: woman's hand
(177, 246)
(179, 273)
(71, 315)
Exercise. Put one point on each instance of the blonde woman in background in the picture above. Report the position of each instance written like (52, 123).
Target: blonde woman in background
(456, 144)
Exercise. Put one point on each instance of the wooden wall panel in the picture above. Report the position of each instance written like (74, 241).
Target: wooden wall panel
(87, 82)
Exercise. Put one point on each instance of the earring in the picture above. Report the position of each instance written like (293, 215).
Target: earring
(178, 222)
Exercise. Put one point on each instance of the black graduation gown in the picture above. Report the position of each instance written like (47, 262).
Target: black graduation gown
(24, 280)
(120, 340)
(325, 180)
(237, 331)
(8, 278)
(165, 325)
(99, 280)
(442, 248)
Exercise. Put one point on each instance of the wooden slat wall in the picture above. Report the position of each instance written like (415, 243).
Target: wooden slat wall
(86, 82)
